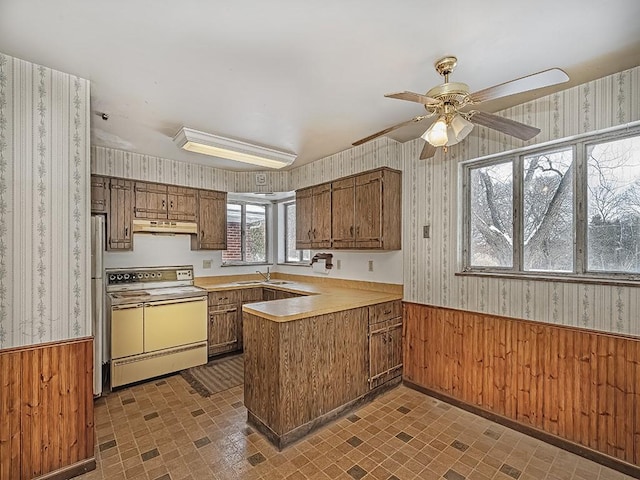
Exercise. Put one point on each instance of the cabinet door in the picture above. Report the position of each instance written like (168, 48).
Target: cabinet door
(368, 211)
(268, 294)
(127, 327)
(304, 216)
(212, 221)
(151, 201)
(182, 203)
(395, 348)
(99, 194)
(385, 351)
(119, 236)
(343, 213)
(223, 329)
(321, 219)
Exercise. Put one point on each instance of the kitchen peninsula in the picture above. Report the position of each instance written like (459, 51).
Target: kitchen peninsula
(310, 358)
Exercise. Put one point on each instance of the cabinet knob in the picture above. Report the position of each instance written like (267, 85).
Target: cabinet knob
(164, 204)
(171, 204)
(126, 232)
(351, 230)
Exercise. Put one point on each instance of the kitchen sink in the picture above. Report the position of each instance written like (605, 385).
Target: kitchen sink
(249, 282)
(276, 282)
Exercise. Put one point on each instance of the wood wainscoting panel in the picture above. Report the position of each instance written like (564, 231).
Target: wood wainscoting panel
(580, 385)
(10, 415)
(46, 403)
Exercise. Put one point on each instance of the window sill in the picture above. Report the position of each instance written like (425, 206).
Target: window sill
(550, 277)
(294, 264)
(244, 264)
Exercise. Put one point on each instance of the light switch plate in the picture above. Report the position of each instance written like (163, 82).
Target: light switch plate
(206, 263)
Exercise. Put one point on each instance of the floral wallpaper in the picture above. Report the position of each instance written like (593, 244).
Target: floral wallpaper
(432, 197)
(44, 204)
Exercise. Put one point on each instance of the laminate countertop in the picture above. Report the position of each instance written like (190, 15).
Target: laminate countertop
(327, 296)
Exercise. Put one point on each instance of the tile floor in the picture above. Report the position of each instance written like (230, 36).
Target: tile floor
(164, 430)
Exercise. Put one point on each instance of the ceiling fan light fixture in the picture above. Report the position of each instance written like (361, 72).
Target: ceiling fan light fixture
(436, 134)
(231, 149)
(459, 129)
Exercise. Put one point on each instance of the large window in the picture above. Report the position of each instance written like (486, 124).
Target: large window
(246, 233)
(572, 209)
(291, 255)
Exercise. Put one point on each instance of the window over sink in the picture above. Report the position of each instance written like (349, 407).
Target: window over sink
(247, 233)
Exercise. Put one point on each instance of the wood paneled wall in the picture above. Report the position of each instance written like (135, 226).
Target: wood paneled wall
(46, 408)
(580, 385)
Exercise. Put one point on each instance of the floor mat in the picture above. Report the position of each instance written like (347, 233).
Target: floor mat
(216, 376)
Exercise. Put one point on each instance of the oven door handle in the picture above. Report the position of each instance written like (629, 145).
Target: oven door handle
(174, 301)
(127, 306)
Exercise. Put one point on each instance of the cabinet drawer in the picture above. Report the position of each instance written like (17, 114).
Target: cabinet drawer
(224, 297)
(385, 311)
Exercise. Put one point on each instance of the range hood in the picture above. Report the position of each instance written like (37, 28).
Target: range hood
(164, 226)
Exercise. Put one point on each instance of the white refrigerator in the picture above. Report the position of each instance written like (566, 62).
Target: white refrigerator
(98, 313)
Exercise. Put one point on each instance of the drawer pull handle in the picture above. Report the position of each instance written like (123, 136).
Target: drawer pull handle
(387, 312)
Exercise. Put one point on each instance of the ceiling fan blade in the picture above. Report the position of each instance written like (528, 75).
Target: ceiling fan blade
(428, 151)
(414, 97)
(389, 129)
(504, 125)
(542, 79)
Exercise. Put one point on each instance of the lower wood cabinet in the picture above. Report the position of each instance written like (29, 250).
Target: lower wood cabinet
(385, 342)
(224, 323)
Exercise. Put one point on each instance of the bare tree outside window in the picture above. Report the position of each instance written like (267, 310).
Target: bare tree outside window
(548, 211)
(613, 171)
(573, 209)
(492, 215)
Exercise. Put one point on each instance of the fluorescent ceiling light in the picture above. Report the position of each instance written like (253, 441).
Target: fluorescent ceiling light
(208, 144)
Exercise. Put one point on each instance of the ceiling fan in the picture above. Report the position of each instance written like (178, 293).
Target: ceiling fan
(447, 100)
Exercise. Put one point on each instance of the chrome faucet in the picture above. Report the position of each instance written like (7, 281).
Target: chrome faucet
(267, 277)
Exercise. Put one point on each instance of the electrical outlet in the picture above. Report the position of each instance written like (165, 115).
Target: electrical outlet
(338, 264)
(426, 231)
(206, 263)
(371, 265)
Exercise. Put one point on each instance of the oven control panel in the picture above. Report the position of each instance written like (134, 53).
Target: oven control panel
(138, 276)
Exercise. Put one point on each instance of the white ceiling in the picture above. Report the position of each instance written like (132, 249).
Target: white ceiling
(302, 76)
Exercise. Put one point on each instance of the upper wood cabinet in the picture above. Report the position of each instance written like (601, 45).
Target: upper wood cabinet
(363, 212)
(182, 203)
(156, 201)
(313, 217)
(119, 234)
(150, 201)
(343, 221)
(99, 194)
(212, 221)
